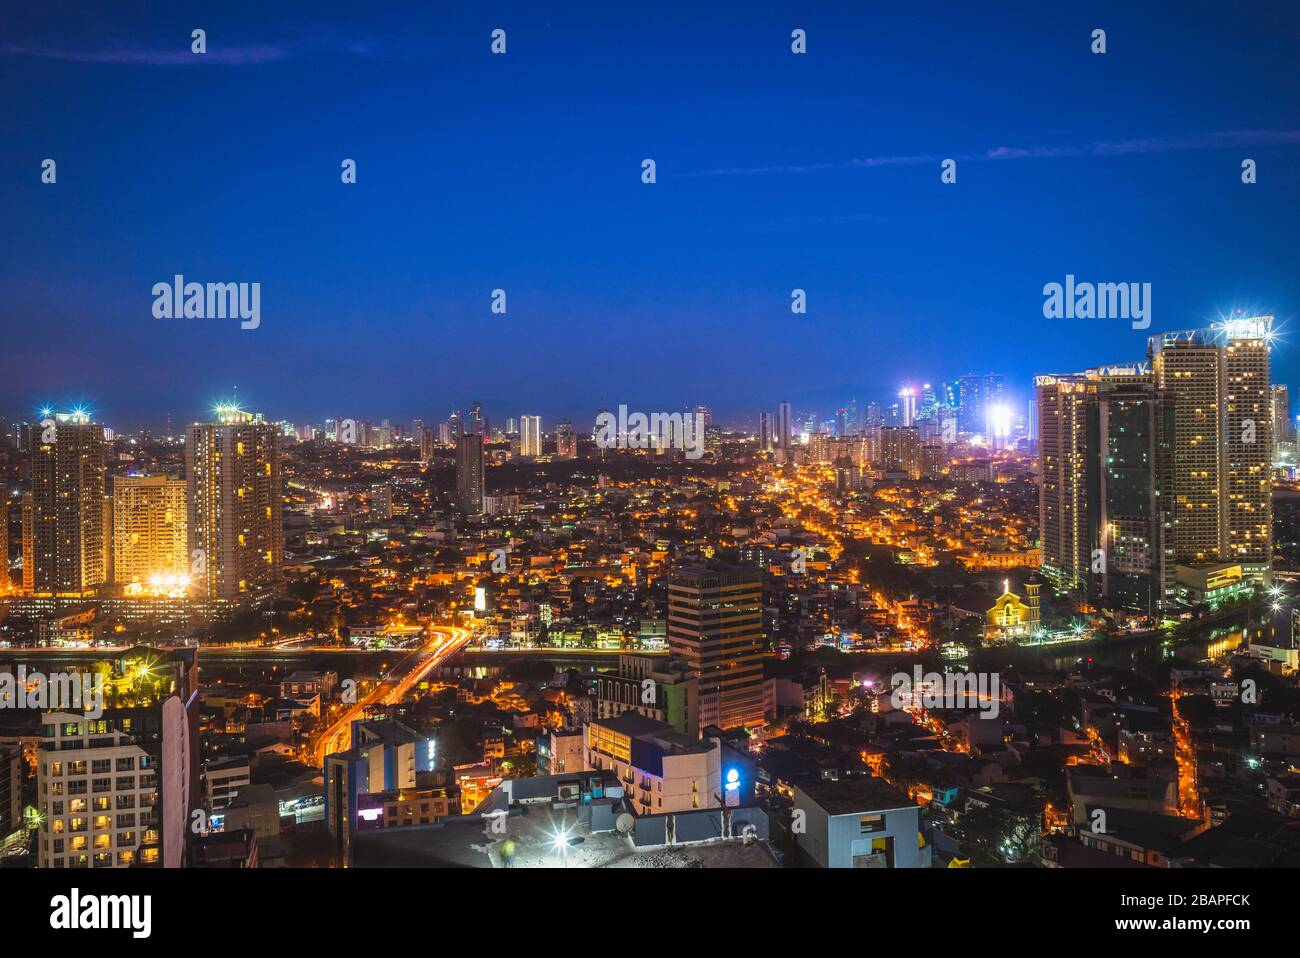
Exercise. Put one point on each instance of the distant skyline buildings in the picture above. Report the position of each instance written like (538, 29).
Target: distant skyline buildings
(980, 404)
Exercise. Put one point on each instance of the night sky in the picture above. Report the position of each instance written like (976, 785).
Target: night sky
(523, 172)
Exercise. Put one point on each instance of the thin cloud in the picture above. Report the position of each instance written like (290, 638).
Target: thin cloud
(238, 55)
(1224, 139)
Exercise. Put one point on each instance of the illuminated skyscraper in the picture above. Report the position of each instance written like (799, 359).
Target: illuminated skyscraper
(784, 426)
(530, 436)
(150, 523)
(1283, 427)
(469, 474)
(236, 530)
(566, 440)
(765, 431)
(1103, 446)
(1217, 381)
(1067, 495)
(715, 623)
(1248, 446)
(63, 536)
(426, 437)
(4, 543)
(907, 400)
(975, 395)
(900, 450)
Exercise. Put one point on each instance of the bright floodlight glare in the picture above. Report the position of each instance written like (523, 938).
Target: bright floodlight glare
(1000, 421)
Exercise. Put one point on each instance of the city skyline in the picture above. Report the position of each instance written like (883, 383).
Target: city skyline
(1017, 396)
(667, 438)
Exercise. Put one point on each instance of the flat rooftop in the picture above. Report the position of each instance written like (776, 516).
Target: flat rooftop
(858, 793)
(465, 843)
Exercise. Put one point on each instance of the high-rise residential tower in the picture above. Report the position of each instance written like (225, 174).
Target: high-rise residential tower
(566, 440)
(1217, 381)
(236, 528)
(63, 530)
(1283, 427)
(784, 426)
(469, 474)
(4, 542)
(150, 528)
(530, 436)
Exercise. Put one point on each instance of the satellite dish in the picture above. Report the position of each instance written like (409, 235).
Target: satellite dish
(624, 823)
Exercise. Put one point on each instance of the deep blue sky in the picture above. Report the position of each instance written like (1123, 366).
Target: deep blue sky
(523, 172)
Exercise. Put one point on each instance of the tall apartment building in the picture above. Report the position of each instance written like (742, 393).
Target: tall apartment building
(1068, 466)
(1248, 446)
(1103, 447)
(975, 394)
(1220, 481)
(566, 440)
(150, 528)
(4, 542)
(381, 500)
(784, 426)
(469, 474)
(530, 436)
(64, 549)
(28, 509)
(1134, 520)
(1283, 426)
(426, 436)
(116, 791)
(236, 499)
(900, 450)
(715, 624)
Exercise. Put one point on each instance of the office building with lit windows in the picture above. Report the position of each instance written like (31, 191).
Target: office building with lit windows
(236, 497)
(715, 624)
